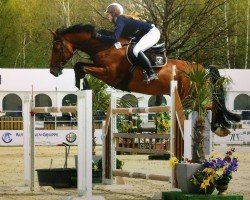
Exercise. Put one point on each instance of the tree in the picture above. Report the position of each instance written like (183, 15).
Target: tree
(201, 94)
(194, 30)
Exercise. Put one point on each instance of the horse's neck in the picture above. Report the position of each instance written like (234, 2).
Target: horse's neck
(93, 47)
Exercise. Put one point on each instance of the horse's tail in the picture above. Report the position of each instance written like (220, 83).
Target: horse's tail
(221, 116)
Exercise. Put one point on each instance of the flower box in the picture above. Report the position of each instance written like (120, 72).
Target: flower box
(56, 177)
(184, 172)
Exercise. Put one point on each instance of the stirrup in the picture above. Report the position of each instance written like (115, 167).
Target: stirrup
(153, 77)
(148, 79)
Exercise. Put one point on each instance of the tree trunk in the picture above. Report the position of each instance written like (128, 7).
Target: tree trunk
(247, 38)
(24, 51)
(198, 153)
(227, 37)
(235, 37)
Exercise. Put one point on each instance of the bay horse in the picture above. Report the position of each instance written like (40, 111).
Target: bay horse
(111, 65)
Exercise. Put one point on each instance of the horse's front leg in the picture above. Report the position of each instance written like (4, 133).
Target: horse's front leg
(80, 74)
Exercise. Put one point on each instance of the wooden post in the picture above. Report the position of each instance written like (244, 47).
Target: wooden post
(173, 85)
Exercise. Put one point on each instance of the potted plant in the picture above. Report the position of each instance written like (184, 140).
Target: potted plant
(201, 94)
(184, 171)
(216, 171)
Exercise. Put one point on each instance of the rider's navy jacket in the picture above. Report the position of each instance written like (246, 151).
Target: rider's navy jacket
(127, 27)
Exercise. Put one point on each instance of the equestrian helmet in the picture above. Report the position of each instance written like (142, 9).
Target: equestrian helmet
(115, 9)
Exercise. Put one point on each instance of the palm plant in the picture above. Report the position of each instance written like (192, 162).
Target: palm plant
(202, 92)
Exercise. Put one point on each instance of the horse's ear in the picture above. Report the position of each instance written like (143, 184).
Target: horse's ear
(52, 32)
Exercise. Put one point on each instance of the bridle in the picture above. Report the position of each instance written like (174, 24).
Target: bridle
(63, 47)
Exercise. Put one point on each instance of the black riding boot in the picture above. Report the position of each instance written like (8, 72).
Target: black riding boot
(146, 65)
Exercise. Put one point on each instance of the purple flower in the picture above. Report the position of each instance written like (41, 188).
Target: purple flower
(229, 163)
(220, 163)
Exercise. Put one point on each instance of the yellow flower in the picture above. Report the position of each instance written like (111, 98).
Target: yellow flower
(203, 186)
(220, 171)
(173, 161)
(209, 170)
(206, 182)
(214, 155)
(211, 178)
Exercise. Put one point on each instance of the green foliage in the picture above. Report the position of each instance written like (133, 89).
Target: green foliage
(192, 30)
(127, 123)
(162, 122)
(101, 98)
(98, 165)
(201, 94)
(224, 180)
(201, 91)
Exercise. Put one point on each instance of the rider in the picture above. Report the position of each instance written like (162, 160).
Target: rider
(144, 33)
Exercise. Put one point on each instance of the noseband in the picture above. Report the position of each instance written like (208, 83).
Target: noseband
(63, 47)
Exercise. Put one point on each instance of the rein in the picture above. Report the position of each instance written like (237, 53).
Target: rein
(62, 48)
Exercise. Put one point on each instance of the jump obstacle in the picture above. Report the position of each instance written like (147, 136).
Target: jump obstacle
(176, 136)
(84, 111)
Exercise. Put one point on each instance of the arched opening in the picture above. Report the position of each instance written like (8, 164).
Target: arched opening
(242, 102)
(156, 100)
(128, 100)
(69, 100)
(43, 100)
(12, 105)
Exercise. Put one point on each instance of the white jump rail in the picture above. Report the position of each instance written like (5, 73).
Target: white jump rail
(136, 110)
(84, 120)
(111, 162)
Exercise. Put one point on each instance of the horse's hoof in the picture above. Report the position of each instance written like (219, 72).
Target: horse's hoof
(222, 131)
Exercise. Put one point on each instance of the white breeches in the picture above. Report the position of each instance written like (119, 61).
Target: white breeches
(147, 41)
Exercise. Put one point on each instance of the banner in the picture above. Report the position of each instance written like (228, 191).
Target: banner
(42, 137)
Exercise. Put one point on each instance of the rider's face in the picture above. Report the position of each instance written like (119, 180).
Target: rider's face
(110, 17)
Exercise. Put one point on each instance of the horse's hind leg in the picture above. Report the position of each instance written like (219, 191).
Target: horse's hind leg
(80, 74)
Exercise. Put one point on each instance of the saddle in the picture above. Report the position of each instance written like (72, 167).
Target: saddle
(156, 54)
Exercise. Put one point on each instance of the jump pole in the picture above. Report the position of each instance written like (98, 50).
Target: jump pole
(84, 110)
(173, 86)
(114, 111)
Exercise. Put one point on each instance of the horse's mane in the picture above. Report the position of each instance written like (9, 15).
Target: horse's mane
(78, 28)
(105, 32)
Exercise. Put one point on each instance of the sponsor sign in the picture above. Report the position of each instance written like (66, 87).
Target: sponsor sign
(42, 137)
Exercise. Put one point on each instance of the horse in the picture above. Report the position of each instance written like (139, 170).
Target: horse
(111, 65)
